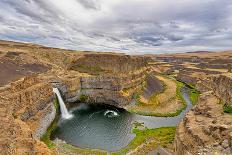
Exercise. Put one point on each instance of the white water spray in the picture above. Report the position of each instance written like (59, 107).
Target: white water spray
(111, 113)
(64, 112)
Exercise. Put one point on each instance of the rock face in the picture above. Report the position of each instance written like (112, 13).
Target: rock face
(222, 86)
(17, 136)
(206, 129)
(31, 100)
(109, 88)
(26, 107)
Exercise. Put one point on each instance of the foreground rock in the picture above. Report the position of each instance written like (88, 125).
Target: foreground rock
(205, 129)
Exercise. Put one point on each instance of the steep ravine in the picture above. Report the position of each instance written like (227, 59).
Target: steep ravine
(206, 129)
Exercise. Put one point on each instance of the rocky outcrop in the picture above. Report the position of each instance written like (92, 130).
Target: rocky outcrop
(16, 136)
(187, 78)
(222, 87)
(108, 88)
(205, 129)
(30, 112)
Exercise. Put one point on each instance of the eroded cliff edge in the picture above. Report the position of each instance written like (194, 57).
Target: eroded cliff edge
(30, 71)
(207, 128)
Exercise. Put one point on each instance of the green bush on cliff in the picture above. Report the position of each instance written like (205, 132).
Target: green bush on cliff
(227, 109)
(83, 98)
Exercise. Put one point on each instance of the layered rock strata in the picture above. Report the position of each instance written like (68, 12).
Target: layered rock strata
(109, 89)
(205, 129)
(26, 96)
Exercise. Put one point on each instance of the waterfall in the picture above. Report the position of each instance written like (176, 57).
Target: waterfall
(64, 112)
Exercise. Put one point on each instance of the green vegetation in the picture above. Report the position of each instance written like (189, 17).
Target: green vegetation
(227, 109)
(150, 138)
(193, 92)
(176, 113)
(180, 85)
(56, 103)
(46, 137)
(194, 95)
(83, 98)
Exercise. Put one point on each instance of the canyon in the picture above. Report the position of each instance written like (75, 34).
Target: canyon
(28, 72)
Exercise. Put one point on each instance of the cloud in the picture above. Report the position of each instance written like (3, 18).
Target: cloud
(131, 26)
(90, 4)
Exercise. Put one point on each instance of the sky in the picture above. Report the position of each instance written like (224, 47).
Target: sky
(130, 26)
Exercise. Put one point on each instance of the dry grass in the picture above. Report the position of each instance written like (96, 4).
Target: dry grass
(162, 104)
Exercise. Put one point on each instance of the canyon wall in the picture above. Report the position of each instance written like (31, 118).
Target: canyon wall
(109, 88)
(108, 76)
(222, 87)
(28, 72)
(206, 129)
(20, 117)
(108, 63)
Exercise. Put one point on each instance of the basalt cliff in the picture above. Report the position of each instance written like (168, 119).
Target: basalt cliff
(207, 127)
(28, 72)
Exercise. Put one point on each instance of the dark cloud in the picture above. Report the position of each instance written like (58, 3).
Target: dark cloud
(132, 26)
(172, 37)
(90, 4)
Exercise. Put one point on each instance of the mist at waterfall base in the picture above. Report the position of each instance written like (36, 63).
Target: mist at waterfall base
(106, 127)
(96, 126)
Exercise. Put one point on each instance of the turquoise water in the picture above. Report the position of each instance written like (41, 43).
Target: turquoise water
(106, 127)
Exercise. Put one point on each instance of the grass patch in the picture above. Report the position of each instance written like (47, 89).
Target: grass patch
(46, 137)
(160, 136)
(194, 95)
(176, 113)
(180, 85)
(83, 98)
(227, 109)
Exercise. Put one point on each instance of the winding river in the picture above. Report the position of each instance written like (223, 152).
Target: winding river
(108, 128)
